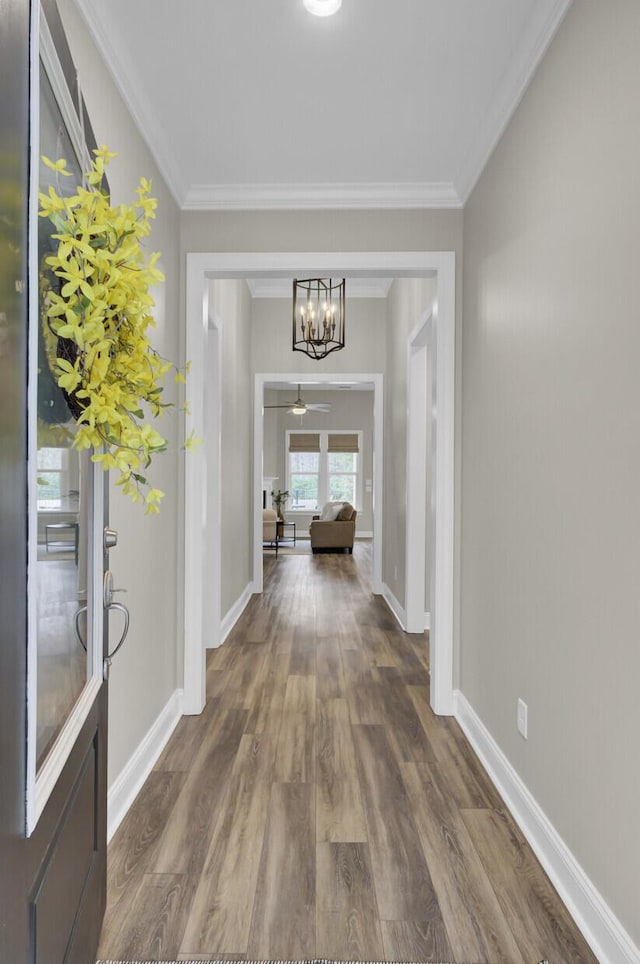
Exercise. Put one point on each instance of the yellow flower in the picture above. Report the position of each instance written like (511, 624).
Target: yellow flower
(59, 166)
(100, 301)
(192, 442)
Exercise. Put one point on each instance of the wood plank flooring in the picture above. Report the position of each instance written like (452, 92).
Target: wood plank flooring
(318, 808)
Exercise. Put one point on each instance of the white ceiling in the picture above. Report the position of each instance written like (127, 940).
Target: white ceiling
(258, 104)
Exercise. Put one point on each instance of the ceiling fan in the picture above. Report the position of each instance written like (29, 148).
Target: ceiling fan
(301, 408)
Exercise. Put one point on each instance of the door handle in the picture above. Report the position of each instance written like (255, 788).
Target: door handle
(76, 624)
(109, 604)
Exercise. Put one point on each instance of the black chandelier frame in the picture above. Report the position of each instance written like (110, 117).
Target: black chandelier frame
(318, 316)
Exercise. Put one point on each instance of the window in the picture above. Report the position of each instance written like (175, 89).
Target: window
(323, 467)
(342, 475)
(304, 481)
(52, 473)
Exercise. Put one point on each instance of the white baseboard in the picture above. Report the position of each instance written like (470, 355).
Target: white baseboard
(605, 934)
(128, 784)
(364, 535)
(427, 621)
(236, 611)
(394, 606)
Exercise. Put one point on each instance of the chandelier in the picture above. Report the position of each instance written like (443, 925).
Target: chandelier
(318, 316)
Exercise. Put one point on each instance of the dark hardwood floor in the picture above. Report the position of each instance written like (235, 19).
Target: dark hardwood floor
(318, 808)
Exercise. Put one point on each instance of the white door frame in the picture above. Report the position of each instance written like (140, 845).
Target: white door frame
(418, 406)
(212, 469)
(378, 462)
(203, 267)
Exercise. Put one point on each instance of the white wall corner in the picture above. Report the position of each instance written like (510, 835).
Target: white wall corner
(236, 611)
(394, 606)
(128, 784)
(427, 621)
(602, 930)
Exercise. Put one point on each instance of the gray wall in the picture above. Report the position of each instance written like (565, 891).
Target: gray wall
(230, 301)
(270, 462)
(408, 300)
(146, 671)
(364, 350)
(551, 444)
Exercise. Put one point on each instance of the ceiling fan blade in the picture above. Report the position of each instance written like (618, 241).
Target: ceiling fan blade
(278, 406)
(319, 407)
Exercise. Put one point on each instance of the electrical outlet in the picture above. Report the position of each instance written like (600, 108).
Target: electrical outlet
(523, 718)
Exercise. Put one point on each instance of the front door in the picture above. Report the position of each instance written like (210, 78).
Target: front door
(53, 550)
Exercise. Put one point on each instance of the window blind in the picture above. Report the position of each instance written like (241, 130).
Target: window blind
(304, 442)
(343, 443)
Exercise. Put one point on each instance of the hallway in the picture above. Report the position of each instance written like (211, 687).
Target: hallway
(318, 808)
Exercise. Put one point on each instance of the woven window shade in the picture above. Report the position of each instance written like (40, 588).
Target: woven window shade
(343, 443)
(304, 442)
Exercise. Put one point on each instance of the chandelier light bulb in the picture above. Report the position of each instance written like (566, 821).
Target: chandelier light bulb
(323, 8)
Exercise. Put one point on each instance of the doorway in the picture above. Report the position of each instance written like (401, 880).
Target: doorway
(258, 443)
(201, 268)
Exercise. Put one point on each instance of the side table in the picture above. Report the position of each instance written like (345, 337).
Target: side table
(282, 527)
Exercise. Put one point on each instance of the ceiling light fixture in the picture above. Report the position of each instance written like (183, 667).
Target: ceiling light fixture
(318, 316)
(323, 8)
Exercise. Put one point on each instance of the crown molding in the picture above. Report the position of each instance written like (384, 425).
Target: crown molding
(129, 89)
(356, 287)
(544, 22)
(291, 197)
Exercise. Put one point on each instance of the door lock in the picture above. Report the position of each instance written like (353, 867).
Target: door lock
(109, 539)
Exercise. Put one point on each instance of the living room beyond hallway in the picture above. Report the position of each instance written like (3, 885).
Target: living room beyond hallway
(318, 808)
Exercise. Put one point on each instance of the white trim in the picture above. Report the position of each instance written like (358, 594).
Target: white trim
(396, 608)
(212, 496)
(605, 934)
(418, 409)
(441, 264)
(281, 287)
(31, 815)
(546, 17)
(62, 96)
(284, 264)
(128, 784)
(442, 493)
(54, 763)
(378, 475)
(236, 611)
(40, 784)
(427, 621)
(194, 680)
(258, 467)
(365, 534)
(305, 197)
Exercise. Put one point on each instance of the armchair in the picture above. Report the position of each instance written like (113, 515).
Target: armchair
(270, 529)
(334, 533)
